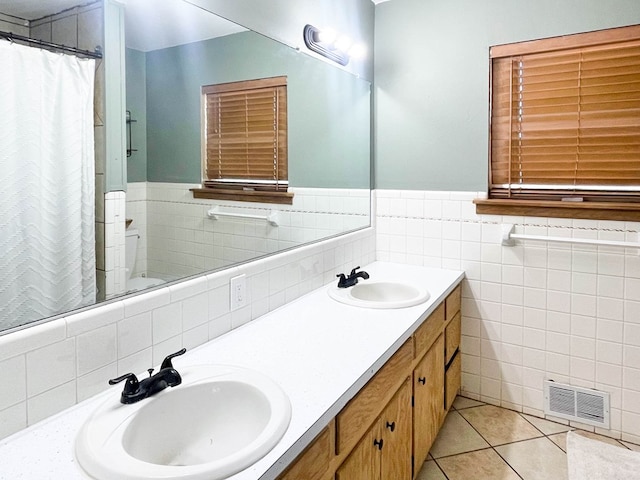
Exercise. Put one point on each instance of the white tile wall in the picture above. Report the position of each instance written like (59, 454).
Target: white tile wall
(178, 239)
(114, 243)
(52, 366)
(533, 311)
(530, 312)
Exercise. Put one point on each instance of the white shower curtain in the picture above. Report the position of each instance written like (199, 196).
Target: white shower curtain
(47, 184)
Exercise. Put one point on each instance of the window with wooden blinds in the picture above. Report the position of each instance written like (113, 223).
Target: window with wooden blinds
(565, 119)
(245, 137)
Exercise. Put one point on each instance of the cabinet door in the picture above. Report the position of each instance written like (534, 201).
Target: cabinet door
(395, 423)
(361, 412)
(364, 461)
(314, 462)
(384, 453)
(428, 392)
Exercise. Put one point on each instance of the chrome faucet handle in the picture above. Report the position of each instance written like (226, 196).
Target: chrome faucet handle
(131, 385)
(166, 363)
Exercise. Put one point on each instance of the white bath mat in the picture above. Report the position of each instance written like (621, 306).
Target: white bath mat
(590, 459)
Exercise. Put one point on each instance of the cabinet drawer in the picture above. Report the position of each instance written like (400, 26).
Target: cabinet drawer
(453, 303)
(452, 337)
(427, 333)
(312, 464)
(452, 381)
(358, 415)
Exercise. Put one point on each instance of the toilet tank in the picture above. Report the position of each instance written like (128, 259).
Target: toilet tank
(131, 248)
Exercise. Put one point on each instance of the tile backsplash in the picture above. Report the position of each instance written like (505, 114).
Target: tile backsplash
(537, 310)
(178, 239)
(49, 367)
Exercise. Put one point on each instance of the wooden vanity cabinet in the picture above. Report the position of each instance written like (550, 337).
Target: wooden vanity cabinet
(428, 403)
(385, 450)
(314, 462)
(453, 374)
(453, 362)
(436, 376)
(452, 338)
(361, 411)
(452, 303)
(386, 431)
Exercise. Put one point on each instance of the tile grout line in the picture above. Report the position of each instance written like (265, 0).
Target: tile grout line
(485, 440)
(522, 415)
(492, 447)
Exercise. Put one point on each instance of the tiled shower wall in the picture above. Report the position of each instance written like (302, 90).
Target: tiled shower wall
(114, 244)
(534, 311)
(47, 368)
(178, 239)
(15, 25)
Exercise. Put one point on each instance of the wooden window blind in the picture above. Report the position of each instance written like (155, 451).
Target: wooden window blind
(565, 118)
(246, 135)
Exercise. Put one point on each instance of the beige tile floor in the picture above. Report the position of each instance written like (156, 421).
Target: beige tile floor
(483, 442)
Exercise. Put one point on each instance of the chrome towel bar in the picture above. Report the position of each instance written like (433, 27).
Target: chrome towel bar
(508, 239)
(272, 217)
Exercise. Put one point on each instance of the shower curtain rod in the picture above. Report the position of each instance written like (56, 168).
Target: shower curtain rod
(13, 37)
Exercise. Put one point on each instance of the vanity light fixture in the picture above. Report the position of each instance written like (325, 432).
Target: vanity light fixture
(328, 43)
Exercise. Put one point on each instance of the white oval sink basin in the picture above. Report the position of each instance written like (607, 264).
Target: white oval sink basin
(219, 421)
(380, 295)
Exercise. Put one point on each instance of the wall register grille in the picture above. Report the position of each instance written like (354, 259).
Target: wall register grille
(578, 404)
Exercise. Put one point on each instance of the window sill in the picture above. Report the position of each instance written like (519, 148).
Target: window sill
(583, 210)
(282, 198)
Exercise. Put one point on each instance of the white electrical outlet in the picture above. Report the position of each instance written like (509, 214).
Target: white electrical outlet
(238, 292)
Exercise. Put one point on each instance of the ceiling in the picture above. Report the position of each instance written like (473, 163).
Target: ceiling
(150, 25)
(34, 9)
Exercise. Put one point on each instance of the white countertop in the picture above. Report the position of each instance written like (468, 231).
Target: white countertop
(319, 351)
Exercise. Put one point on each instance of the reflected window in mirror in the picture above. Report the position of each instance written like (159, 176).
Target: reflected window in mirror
(245, 140)
(167, 63)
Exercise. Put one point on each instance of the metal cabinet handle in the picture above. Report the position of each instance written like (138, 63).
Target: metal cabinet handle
(391, 426)
(378, 443)
(422, 380)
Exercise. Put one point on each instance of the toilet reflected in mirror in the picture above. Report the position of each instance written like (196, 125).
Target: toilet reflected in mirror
(139, 282)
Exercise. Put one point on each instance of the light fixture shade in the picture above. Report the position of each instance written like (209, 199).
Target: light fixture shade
(312, 40)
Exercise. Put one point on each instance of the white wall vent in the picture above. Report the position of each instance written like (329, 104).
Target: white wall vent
(582, 405)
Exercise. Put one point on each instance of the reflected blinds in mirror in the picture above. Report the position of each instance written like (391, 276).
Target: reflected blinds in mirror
(566, 121)
(246, 134)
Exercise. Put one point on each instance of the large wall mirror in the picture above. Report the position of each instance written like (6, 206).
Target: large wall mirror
(173, 48)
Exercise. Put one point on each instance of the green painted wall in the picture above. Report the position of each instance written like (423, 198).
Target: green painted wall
(432, 80)
(284, 21)
(329, 109)
(137, 105)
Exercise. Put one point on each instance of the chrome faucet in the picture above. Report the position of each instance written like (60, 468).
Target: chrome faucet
(135, 390)
(352, 279)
